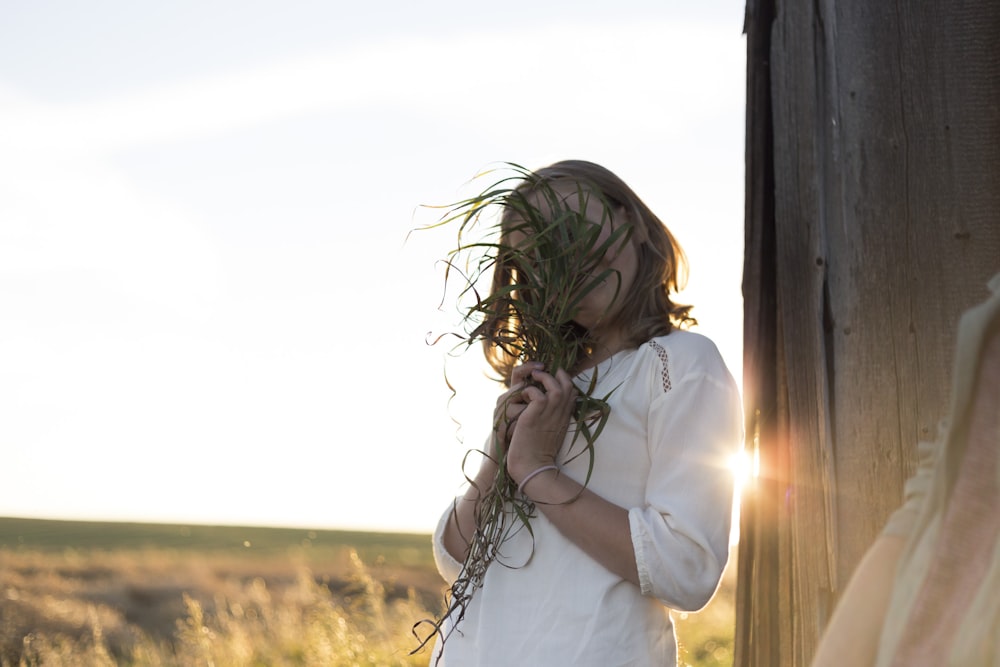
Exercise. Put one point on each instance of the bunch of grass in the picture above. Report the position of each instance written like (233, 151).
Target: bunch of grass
(544, 254)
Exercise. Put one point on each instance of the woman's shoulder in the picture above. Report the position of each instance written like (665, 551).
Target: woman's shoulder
(688, 344)
(682, 353)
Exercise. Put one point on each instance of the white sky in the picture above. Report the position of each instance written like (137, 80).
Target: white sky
(207, 309)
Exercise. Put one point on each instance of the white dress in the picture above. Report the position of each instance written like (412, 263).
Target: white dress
(676, 421)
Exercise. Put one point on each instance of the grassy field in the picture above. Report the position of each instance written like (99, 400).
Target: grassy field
(83, 593)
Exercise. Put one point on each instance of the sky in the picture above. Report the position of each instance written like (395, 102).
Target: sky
(211, 307)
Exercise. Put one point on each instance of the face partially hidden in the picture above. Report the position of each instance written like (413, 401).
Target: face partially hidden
(599, 308)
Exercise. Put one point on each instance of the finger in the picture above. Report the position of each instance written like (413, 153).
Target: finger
(505, 422)
(523, 371)
(511, 424)
(554, 387)
(505, 409)
(566, 380)
(513, 394)
(534, 395)
(510, 397)
(514, 411)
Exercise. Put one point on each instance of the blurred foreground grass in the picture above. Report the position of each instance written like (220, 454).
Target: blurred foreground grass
(94, 594)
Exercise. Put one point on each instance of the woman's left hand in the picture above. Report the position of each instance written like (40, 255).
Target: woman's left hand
(541, 427)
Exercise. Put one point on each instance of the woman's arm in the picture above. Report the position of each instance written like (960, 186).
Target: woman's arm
(851, 637)
(600, 528)
(462, 522)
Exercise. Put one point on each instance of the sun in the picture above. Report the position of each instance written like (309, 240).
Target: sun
(745, 466)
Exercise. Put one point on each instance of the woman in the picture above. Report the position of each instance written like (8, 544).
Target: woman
(643, 524)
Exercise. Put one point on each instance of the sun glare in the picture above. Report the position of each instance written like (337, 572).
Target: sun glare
(745, 466)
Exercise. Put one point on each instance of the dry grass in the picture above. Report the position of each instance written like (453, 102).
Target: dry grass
(705, 638)
(159, 607)
(220, 607)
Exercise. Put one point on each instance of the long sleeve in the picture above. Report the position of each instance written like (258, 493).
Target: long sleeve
(681, 534)
(447, 566)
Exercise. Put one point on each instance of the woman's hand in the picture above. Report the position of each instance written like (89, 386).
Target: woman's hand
(510, 405)
(531, 424)
(599, 527)
(542, 421)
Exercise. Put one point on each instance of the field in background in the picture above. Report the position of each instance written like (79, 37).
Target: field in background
(84, 593)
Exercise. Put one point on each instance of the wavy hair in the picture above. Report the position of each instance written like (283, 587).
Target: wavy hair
(647, 310)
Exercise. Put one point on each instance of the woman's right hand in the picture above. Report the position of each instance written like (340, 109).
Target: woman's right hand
(510, 405)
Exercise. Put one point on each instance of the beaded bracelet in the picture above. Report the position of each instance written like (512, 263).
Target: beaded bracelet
(530, 475)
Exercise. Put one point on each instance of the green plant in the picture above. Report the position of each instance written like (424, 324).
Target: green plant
(532, 237)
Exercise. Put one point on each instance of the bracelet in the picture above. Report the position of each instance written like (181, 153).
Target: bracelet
(530, 475)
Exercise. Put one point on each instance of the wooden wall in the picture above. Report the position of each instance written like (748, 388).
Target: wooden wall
(872, 222)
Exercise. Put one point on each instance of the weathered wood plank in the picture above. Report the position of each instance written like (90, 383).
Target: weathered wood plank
(876, 129)
(759, 561)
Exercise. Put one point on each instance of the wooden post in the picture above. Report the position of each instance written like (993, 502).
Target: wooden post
(873, 221)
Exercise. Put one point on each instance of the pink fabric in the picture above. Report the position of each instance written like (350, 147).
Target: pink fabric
(968, 532)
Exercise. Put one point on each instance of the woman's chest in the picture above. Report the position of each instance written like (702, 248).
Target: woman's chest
(612, 458)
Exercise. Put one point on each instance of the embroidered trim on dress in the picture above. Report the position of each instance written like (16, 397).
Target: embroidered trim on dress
(662, 354)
